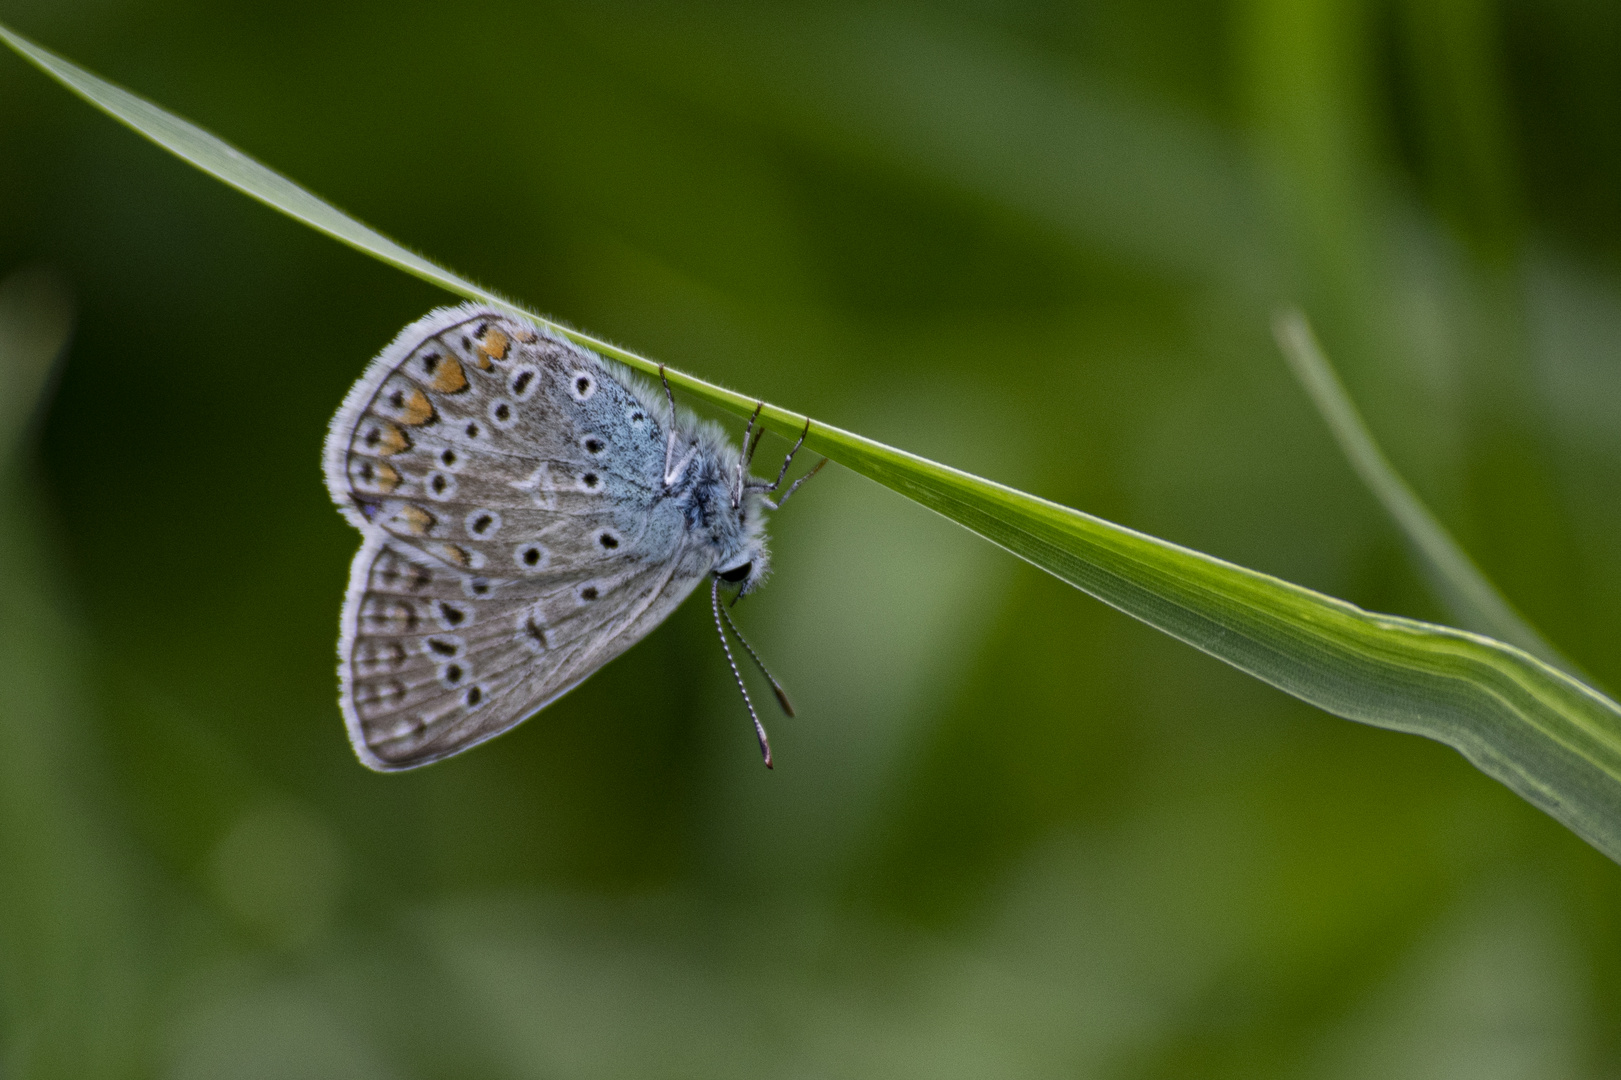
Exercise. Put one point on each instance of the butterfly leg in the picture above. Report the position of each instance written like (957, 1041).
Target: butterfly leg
(669, 440)
(760, 485)
(740, 481)
(795, 485)
(668, 393)
(783, 472)
(748, 450)
(672, 468)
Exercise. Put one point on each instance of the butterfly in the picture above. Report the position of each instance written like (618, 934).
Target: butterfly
(528, 511)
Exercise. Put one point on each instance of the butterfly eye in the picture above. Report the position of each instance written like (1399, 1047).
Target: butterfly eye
(736, 573)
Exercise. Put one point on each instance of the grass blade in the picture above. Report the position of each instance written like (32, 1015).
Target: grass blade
(75, 996)
(226, 163)
(1546, 735)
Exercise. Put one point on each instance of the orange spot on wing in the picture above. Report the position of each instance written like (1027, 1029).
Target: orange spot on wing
(410, 405)
(448, 377)
(455, 554)
(411, 520)
(494, 345)
(375, 477)
(384, 440)
(525, 335)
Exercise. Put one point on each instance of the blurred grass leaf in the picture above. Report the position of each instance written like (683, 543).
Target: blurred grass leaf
(1465, 590)
(1549, 737)
(70, 997)
(35, 320)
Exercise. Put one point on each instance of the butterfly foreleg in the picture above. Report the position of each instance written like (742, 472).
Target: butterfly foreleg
(795, 485)
(783, 472)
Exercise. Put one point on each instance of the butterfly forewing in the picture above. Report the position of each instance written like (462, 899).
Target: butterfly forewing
(472, 436)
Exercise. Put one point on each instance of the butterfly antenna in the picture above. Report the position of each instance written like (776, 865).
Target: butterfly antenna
(776, 687)
(759, 728)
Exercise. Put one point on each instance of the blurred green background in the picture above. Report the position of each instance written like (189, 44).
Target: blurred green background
(1012, 832)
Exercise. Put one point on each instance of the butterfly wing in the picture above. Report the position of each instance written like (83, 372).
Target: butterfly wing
(433, 661)
(507, 484)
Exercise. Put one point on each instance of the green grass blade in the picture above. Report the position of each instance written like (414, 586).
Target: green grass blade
(1549, 737)
(1463, 588)
(74, 997)
(35, 321)
(1546, 735)
(226, 163)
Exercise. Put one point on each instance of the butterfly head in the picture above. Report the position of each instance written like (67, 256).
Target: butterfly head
(748, 561)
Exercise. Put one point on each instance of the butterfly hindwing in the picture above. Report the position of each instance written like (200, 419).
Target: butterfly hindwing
(434, 660)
